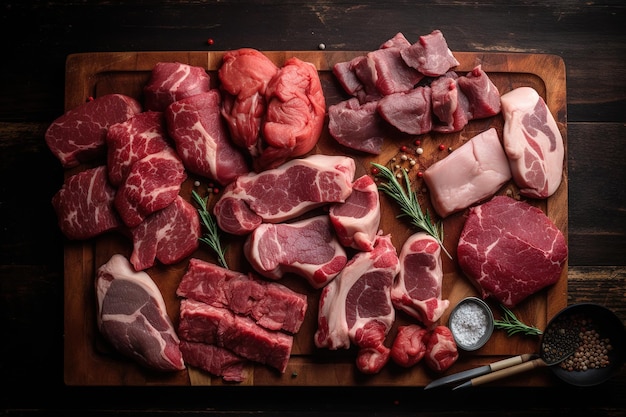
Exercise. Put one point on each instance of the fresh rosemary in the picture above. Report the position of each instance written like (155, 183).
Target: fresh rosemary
(409, 205)
(212, 236)
(513, 325)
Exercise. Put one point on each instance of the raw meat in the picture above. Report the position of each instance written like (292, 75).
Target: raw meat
(295, 114)
(284, 193)
(357, 126)
(132, 316)
(152, 184)
(392, 74)
(214, 360)
(200, 322)
(173, 81)
(84, 205)
(473, 172)
(417, 288)
(79, 135)
(345, 74)
(532, 142)
(202, 140)
(169, 235)
(308, 248)
(450, 107)
(244, 76)
(430, 55)
(510, 250)
(356, 306)
(356, 221)
(409, 346)
(409, 112)
(441, 349)
(132, 140)
(272, 305)
(481, 92)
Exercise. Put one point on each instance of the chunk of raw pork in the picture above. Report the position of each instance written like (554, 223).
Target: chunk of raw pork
(409, 112)
(202, 140)
(152, 184)
(244, 76)
(481, 92)
(79, 135)
(308, 248)
(284, 193)
(450, 106)
(357, 126)
(84, 205)
(356, 306)
(272, 305)
(356, 222)
(473, 172)
(391, 73)
(132, 316)
(441, 349)
(430, 55)
(132, 140)
(532, 142)
(295, 114)
(409, 346)
(173, 81)
(214, 360)
(202, 323)
(510, 250)
(417, 288)
(169, 235)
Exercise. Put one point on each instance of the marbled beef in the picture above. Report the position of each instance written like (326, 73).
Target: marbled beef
(173, 81)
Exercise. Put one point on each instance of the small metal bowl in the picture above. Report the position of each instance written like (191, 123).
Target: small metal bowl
(455, 318)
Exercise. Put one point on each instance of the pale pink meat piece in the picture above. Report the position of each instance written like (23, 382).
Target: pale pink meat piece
(481, 92)
(357, 126)
(532, 142)
(173, 81)
(430, 55)
(409, 112)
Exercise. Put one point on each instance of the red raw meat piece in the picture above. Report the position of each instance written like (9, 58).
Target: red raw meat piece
(409, 112)
(357, 126)
(214, 360)
(409, 346)
(173, 81)
(430, 55)
(441, 350)
(482, 94)
(79, 135)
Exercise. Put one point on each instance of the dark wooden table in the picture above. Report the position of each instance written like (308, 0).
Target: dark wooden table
(39, 35)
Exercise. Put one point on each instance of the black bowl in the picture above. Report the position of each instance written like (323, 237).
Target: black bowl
(609, 326)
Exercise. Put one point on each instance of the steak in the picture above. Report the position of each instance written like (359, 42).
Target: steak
(84, 205)
(532, 142)
(272, 305)
(308, 248)
(430, 55)
(441, 350)
(473, 172)
(169, 235)
(356, 306)
(79, 135)
(214, 360)
(284, 193)
(356, 221)
(510, 250)
(202, 323)
(202, 140)
(152, 184)
(417, 288)
(173, 81)
(132, 316)
(128, 142)
(409, 346)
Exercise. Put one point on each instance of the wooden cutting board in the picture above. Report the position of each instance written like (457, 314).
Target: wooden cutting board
(90, 361)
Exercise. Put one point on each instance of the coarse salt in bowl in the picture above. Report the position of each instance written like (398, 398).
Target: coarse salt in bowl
(471, 323)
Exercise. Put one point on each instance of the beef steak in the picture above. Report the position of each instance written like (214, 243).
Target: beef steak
(173, 81)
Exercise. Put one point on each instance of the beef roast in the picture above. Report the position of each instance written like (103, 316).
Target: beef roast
(173, 81)
(284, 193)
(84, 205)
(308, 248)
(79, 135)
(418, 287)
(532, 142)
(356, 306)
(510, 250)
(132, 316)
(202, 140)
(357, 220)
(271, 304)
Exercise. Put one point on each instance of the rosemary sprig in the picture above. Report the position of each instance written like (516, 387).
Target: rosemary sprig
(409, 205)
(513, 325)
(212, 237)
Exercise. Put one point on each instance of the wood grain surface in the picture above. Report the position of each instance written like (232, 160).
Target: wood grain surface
(93, 362)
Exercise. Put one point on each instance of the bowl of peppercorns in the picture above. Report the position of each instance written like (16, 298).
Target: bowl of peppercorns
(592, 337)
